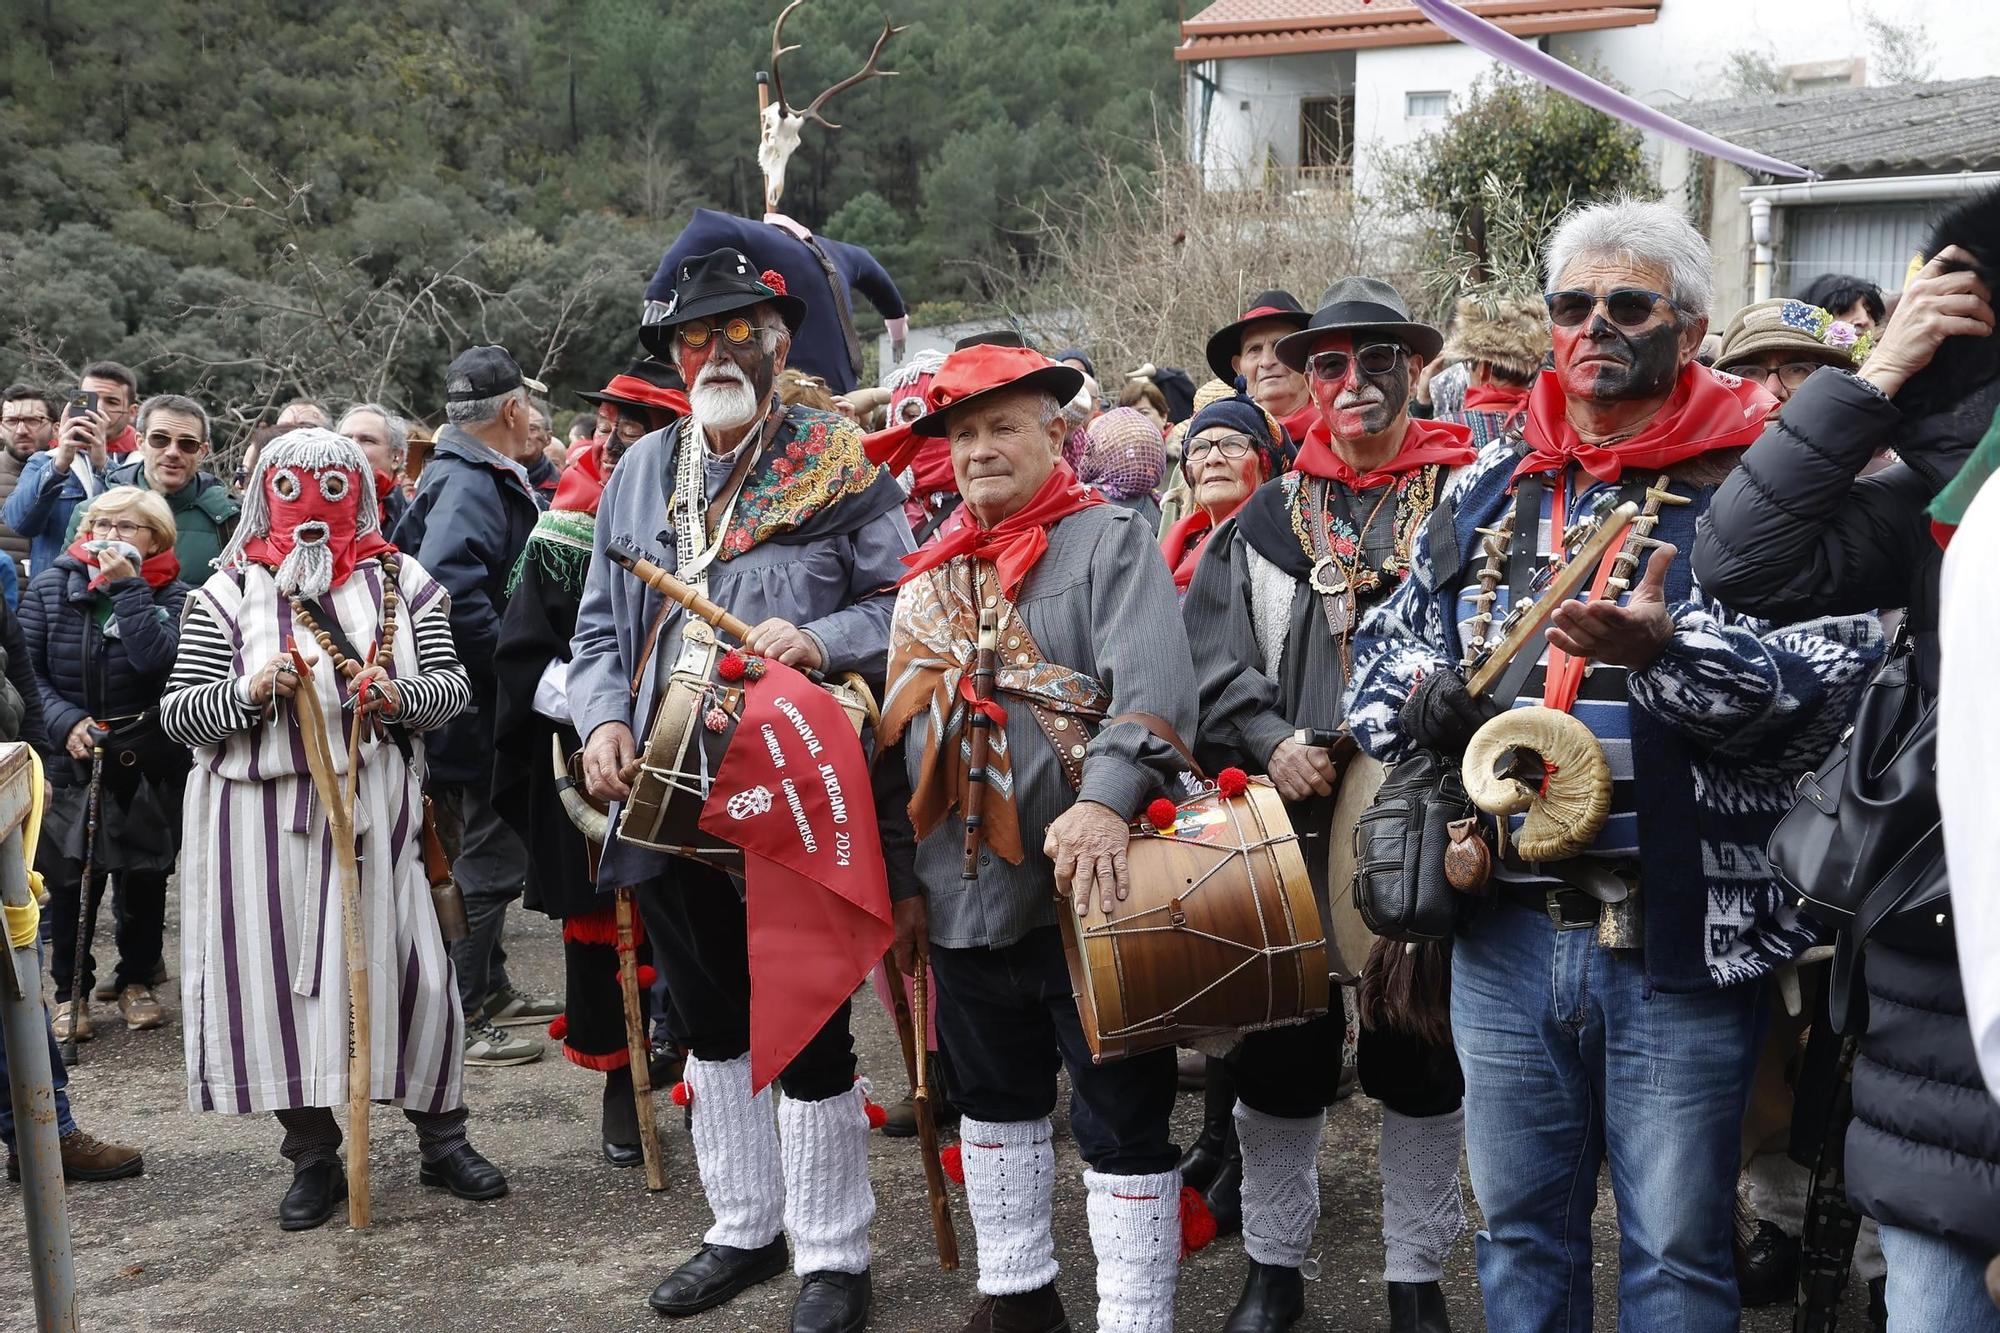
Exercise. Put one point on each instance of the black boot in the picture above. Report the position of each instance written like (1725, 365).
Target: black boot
(318, 1188)
(1273, 1299)
(1203, 1161)
(618, 1120)
(1224, 1195)
(1417, 1307)
(1037, 1311)
(832, 1302)
(1767, 1269)
(715, 1274)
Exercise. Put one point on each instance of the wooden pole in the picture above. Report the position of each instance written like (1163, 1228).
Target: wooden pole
(941, 1224)
(637, 1048)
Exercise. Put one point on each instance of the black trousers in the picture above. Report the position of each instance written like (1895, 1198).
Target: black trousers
(140, 922)
(1409, 1076)
(1290, 1072)
(700, 937)
(1009, 1018)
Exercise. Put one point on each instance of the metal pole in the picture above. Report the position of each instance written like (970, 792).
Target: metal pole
(25, 1027)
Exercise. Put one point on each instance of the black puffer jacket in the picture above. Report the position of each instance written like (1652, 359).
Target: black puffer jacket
(1795, 532)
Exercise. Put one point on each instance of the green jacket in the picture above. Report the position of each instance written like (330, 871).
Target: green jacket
(204, 517)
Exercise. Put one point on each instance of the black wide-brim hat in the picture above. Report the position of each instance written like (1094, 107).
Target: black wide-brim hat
(1354, 305)
(717, 283)
(1226, 343)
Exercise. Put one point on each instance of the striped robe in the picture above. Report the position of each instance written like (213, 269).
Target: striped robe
(263, 958)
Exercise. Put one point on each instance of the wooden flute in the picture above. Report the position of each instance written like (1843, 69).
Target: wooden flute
(981, 737)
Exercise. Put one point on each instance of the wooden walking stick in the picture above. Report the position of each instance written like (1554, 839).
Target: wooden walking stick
(338, 798)
(636, 1046)
(941, 1224)
(79, 993)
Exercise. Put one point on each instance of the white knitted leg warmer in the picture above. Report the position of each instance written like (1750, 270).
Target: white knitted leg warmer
(1135, 1227)
(1010, 1182)
(1423, 1211)
(736, 1148)
(1280, 1185)
(828, 1201)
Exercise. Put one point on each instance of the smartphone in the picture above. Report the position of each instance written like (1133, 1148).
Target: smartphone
(82, 403)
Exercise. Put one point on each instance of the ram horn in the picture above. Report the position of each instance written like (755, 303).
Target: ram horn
(591, 822)
(1546, 764)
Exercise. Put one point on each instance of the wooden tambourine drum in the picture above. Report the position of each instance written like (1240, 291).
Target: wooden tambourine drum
(694, 721)
(1219, 934)
(1349, 937)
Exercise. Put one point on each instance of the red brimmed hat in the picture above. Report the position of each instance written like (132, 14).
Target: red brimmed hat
(968, 374)
(645, 384)
(1226, 343)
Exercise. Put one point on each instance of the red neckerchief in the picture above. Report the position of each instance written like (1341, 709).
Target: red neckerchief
(124, 442)
(1301, 422)
(1181, 549)
(581, 488)
(1424, 443)
(1703, 413)
(1016, 542)
(1496, 397)
(158, 570)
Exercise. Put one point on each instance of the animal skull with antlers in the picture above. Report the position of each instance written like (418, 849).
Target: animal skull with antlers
(781, 123)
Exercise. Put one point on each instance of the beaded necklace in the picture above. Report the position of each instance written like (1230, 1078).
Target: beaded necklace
(384, 647)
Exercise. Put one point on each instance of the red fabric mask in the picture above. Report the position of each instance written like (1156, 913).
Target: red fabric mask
(1016, 542)
(1706, 411)
(300, 495)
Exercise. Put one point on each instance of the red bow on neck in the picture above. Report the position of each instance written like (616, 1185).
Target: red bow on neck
(1017, 541)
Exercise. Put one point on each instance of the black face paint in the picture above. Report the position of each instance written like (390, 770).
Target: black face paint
(1623, 367)
(1352, 423)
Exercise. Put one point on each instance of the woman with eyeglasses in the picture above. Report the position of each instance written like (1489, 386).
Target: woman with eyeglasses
(102, 626)
(1230, 451)
(1777, 344)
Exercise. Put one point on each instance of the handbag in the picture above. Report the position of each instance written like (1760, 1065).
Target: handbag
(1400, 887)
(1864, 843)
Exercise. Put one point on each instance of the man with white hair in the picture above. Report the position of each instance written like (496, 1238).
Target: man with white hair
(263, 956)
(776, 514)
(385, 438)
(1605, 1000)
(468, 523)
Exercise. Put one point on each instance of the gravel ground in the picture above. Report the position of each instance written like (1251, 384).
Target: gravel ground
(194, 1244)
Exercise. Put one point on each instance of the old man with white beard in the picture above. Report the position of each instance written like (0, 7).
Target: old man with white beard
(263, 957)
(777, 514)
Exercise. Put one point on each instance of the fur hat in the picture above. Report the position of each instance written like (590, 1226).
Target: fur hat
(1509, 332)
(1964, 376)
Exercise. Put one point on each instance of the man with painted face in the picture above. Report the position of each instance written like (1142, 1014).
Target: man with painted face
(1247, 349)
(1605, 1006)
(776, 514)
(1271, 614)
(264, 972)
(471, 515)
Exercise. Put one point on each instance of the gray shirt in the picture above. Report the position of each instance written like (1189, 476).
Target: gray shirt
(1100, 601)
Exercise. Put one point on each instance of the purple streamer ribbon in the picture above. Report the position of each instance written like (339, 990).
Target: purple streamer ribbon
(1545, 68)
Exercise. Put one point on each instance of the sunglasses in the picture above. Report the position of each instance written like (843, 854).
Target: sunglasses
(1629, 307)
(185, 444)
(1232, 446)
(736, 332)
(1374, 359)
(1792, 374)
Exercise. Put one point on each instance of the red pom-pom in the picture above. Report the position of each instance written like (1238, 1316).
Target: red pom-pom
(648, 974)
(681, 1094)
(952, 1159)
(1161, 813)
(559, 1027)
(877, 1117)
(730, 668)
(1197, 1223)
(774, 280)
(1232, 782)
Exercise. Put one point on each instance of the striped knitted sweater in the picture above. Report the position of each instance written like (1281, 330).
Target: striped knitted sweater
(1723, 722)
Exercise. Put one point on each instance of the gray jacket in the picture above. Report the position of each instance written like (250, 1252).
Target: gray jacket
(1100, 601)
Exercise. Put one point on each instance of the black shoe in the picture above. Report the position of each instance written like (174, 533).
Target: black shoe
(715, 1274)
(618, 1120)
(1224, 1198)
(622, 1155)
(1767, 1270)
(317, 1190)
(1878, 1305)
(1273, 1299)
(1417, 1307)
(665, 1064)
(832, 1302)
(466, 1174)
(1037, 1311)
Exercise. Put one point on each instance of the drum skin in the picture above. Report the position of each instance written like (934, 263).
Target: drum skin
(1219, 933)
(1360, 778)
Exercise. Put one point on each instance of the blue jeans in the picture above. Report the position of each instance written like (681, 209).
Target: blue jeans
(1935, 1286)
(1569, 1062)
(58, 1075)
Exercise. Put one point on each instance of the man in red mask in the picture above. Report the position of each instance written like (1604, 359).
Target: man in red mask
(1271, 615)
(1087, 617)
(1605, 1005)
(263, 956)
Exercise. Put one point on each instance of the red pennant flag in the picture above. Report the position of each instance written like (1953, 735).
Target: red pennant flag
(793, 793)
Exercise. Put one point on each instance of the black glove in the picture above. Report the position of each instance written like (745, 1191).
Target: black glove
(1441, 714)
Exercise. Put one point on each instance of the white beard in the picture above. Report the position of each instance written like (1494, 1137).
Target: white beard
(722, 403)
(306, 571)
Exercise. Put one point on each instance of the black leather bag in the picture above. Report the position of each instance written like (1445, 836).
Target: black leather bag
(1864, 844)
(1399, 850)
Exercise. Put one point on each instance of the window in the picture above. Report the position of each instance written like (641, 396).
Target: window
(1426, 106)
(1326, 133)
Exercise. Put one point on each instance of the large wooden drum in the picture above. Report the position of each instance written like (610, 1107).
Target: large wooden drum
(1219, 934)
(1360, 779)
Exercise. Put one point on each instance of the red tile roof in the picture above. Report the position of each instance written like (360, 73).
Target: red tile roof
(1232, 29)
